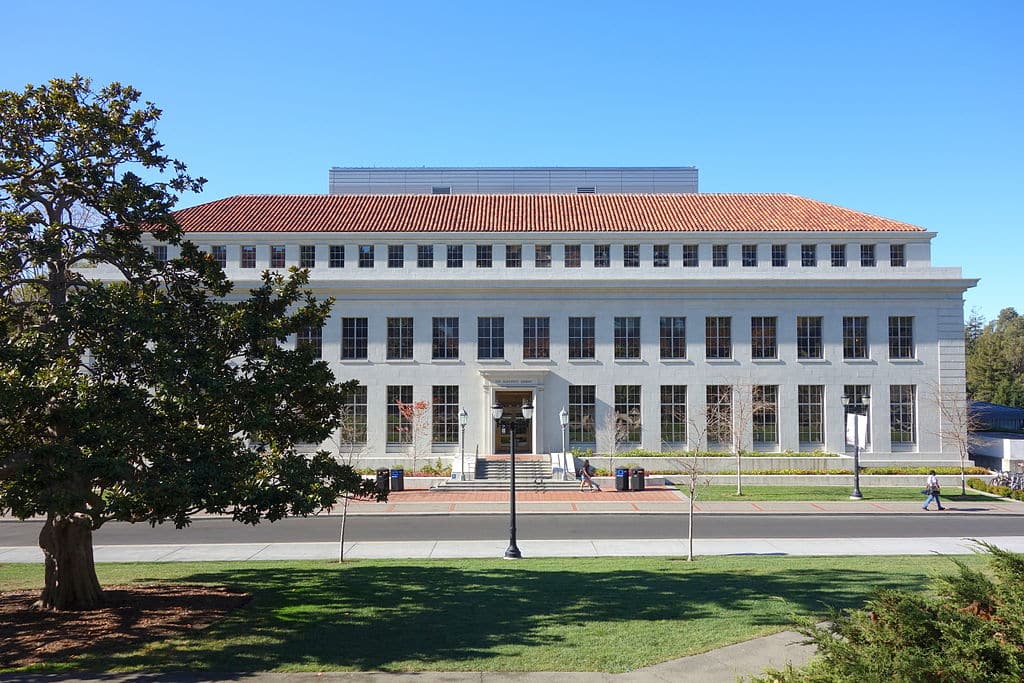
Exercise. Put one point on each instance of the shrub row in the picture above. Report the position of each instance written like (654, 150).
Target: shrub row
(1004, 491)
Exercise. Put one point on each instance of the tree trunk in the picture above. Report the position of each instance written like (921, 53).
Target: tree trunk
(70, 570)
(341, 536)
(689, 529)
(739, 474)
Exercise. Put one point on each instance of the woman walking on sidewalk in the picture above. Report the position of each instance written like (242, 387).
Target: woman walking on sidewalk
(931, 487)
(585, 479)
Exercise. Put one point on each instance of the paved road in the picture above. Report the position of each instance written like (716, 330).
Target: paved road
(547, 527)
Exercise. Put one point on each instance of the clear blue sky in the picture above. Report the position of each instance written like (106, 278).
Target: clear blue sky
(910, 110)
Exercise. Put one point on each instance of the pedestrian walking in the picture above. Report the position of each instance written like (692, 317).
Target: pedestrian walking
(931, 487)
(585, 479)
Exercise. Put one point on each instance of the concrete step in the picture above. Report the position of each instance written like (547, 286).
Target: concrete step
(503, 485)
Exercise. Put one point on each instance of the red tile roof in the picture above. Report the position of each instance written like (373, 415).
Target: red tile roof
(529, 213)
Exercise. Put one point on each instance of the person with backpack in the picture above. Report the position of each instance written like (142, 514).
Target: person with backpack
(585, 479)
(931, 487)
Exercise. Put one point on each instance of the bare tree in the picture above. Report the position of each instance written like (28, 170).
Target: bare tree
(351, 443)
(618, 430)
(958, 425)
(416, 419)
(730, 413)
(694, 478)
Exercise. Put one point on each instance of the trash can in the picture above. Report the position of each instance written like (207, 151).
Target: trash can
(636, 479)
(383, 480)
(621, 479)
(398, 480)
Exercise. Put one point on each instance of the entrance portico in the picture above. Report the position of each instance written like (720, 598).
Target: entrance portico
(510, 389)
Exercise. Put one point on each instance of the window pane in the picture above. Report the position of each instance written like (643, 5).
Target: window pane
(454, 255)
(445, 338)
(901, 337)
(353, 338)
(627, 337)
(661, 256)
(673, 337)
(399, 414)
(902, 420)
(337, 256)
(763, 337)
(425, 256)
(779, 258)
(307, 256)
(690, 258)
(536, 338)
(399, 341)
(572, 256)
(808, 337)
(673, 414)
(631, 256)
(855, 337)
(810, 413)
(513, 256)
(445, 414)
(484, 254)
(490, 341)
(581, 338)
(627, 414)
(582, 412)
(718, 337)
(602, 256)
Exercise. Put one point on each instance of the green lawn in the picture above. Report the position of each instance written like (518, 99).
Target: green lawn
(825, 493)
(493, 615)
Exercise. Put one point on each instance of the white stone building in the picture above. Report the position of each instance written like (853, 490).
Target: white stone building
(662, 307)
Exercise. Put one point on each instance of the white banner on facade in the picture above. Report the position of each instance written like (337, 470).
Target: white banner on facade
(856, 429)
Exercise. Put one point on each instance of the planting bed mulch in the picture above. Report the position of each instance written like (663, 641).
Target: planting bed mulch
(133, 615)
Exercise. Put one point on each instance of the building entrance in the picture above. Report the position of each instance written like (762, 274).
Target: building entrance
(512, 404)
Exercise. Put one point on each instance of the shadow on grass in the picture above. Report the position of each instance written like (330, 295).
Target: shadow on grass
(375, 617)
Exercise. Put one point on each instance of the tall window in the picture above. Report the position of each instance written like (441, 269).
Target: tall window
(855, 336)
(719, 255)
(446, 338)
(581, 338)
(673, 413)
(160, 253)
(902, 421)
(572, 256)
(808, 337)
(719, 413)
(582, 414)
(673, 337)
(542, 256)
(602, 256)
(808, 255)
(307, 256)
(763, 337)
(627, 413)
(810, 405)
(536, 338)
(490, 338)
(779, 258)
(311, 338)
(765, 413)
(867, 255)
(661, 256)
(897, 255)
(399, 427)
(718, 337)
(750, 255)
(220, 255)
(366, 256)
(690, 257)
(513, 256)
(399, 341)
(353, 338)
(838, 255)
(627, 337)
(248, 257)
(446, 413)
(396, 256)
(424, 255)
(353, 429)
(631, 255)
(484, 255)
(454, 255)
(901, 336)
(277, 256)
(336, 256)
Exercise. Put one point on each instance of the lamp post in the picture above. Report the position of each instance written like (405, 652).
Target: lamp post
(855, 404)
(563, 419)
(509, 423)
(463, 419)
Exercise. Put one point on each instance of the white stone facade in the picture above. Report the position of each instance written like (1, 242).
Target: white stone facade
(930, 296)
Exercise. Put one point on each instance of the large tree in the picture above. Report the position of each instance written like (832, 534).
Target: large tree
(995, 360)
(155, 394)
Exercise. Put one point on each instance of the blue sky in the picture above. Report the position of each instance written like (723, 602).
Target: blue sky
(910, 110)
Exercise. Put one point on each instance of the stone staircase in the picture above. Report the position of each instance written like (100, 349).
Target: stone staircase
(533, 473)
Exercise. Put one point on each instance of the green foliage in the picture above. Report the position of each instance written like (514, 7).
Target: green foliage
(1003, 491)
(642, 453)
(437, 469)
(161, 393)
(970, 629)
(995, 359)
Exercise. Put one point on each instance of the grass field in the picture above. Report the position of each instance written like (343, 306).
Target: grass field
(825, 493)
(491, 615)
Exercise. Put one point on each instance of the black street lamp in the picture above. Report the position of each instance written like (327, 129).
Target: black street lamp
(855, 404)
(463, 419)
(509, 424)
(563, 420)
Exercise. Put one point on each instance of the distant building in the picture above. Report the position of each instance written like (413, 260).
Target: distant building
(660, 308)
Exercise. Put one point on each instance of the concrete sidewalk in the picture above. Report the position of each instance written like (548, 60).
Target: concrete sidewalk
(652, 500)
